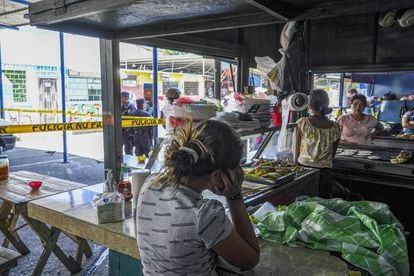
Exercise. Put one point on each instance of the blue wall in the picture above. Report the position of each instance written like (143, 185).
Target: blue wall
(400, 84)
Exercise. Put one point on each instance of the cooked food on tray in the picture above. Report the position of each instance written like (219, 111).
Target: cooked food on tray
(272, 169)
(402, 157)
(374, 157)
(406, 136)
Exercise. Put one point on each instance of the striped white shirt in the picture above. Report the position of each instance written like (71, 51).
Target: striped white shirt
(177, 229)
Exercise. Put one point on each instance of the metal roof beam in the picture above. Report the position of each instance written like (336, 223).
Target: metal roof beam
(274, 8)
(8, 27)
(12, 11)
(191, 43)
(197, 26)
(23, 2)
(353, 7)
(44, 13)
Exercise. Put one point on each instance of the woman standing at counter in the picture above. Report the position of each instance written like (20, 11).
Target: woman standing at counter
(179, 231)
(408, 122)
(357, 127)
(317, 139)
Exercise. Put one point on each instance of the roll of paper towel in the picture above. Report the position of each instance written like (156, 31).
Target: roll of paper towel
(138, 179)
(295, 102)
(298, 101)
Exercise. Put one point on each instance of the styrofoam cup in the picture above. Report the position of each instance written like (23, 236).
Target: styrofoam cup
(138, 178)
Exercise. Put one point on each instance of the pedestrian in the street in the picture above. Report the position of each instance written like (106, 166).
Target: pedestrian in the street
(127, 133)
(142, 134)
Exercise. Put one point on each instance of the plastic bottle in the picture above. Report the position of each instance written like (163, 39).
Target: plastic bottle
(108, 184)
(4, 167)
(124, 186)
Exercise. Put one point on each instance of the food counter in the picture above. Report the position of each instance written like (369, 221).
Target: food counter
(371, 159)
(380, 180)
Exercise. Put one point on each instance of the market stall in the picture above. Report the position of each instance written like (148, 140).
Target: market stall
(328, 35)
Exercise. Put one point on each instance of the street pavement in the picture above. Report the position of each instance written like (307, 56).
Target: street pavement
(48, 160)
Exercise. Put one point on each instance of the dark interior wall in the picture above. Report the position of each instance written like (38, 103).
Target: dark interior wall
(357, 42)
(261, 41)
(341, 41)
(395, 44)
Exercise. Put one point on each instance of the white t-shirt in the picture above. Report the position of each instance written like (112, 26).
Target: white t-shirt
(177, 229)
(168, 110)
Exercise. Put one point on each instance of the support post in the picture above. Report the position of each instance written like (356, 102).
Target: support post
(155, 89)
(217, 79)
(242, 73)
(111, 105)
(341, 90)
(63, 86)
(1, 86)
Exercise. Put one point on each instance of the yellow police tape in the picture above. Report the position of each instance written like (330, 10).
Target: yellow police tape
(70, 113)
(139, 121)
(41, 111)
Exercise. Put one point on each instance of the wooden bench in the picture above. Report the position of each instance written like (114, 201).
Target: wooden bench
(8, 260)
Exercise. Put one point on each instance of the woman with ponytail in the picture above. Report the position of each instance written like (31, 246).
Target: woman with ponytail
(178, 231)
(317, 139)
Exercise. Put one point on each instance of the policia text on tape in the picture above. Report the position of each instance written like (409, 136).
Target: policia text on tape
(137, 122)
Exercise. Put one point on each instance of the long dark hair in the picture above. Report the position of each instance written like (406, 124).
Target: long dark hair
(196, 152)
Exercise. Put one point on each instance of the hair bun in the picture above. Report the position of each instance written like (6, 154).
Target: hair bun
(325, 110)
(183, 159)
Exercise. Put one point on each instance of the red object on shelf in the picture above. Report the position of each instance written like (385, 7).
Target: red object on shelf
(35, 184)
(277, 116)
(184, 100)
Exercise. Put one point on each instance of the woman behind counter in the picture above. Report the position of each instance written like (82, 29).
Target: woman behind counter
(408, 122)
(357, 127)
(317, 139)
(179, 231)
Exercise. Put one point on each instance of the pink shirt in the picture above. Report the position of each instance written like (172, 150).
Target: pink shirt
(357, 132)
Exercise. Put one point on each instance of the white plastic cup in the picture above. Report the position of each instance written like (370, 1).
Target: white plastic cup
(138, 178)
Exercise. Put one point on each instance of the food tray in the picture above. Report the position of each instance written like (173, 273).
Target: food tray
(386, 155)
(281, 180)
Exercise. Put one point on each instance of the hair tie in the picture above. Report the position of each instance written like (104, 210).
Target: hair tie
(193, 153)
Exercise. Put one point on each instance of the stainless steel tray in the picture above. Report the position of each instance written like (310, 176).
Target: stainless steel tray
(281, 180)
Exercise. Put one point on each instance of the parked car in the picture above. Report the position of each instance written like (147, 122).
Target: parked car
(7, 141)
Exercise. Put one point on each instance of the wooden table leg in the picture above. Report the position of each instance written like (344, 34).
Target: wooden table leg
(48, 248)
(7, 228)
(49, 238)
(83, 247)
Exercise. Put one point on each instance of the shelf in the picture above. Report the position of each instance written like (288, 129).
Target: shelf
(263, 130)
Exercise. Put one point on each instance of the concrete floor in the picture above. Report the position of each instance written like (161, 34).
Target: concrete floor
(80, 169)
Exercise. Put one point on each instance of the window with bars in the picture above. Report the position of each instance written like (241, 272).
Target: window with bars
(94, 94)
(18, 79)
(191, 88)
